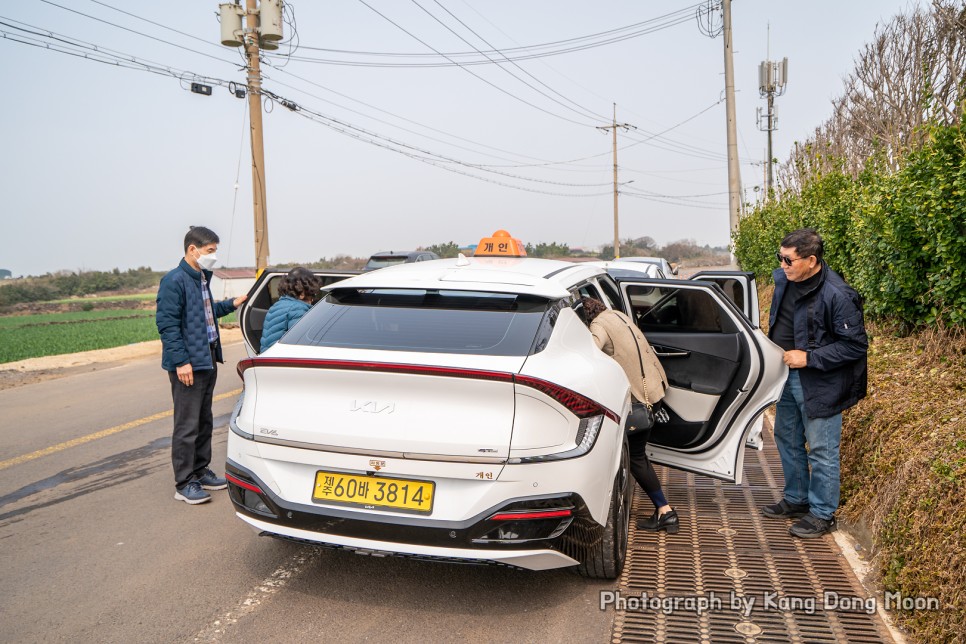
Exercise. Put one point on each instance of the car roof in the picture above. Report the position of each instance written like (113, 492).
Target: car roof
(525, 275)
(641, 269)
(643, 260)
(399, 253)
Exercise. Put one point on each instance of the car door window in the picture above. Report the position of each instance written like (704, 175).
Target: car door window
(738, 286)
(611, 292)
(589, 289)
(659, 309)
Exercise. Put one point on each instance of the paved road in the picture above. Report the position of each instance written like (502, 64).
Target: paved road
(96, 549)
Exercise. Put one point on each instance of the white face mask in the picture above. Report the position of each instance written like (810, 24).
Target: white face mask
(207, 262)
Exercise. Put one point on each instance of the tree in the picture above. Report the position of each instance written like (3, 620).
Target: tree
(909, 75)
(447, 249)
(552, 249)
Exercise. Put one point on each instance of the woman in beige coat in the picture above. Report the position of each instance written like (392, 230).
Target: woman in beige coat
(617, 336)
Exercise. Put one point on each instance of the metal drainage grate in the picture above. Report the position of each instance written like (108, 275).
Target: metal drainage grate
(731, 575)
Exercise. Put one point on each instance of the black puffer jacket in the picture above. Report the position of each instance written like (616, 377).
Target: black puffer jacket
(829, 326)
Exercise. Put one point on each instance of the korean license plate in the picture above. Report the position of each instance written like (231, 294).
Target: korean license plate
(374, 491)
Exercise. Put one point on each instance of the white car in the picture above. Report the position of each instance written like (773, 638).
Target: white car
(460, 410)
(618, 268)
(667, 269)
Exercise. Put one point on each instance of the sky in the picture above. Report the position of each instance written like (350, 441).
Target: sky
(106, 167)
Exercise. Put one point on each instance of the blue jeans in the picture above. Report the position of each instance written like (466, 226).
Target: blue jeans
(820, 488)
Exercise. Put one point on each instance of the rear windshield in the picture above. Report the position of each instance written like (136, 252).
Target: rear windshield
(435, 321)
(382, 262)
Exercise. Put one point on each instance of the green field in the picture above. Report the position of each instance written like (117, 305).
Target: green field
(108, 298)
(49, 334)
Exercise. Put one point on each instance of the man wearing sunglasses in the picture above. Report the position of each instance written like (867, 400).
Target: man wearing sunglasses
(817, 319)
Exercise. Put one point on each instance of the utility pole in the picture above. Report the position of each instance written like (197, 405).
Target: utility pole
(263, 28)
(734, 172)
(772, 77)
(613, 127)
(259, 193)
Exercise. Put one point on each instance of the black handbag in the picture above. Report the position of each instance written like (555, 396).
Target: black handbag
(642, 413)
(641, 417)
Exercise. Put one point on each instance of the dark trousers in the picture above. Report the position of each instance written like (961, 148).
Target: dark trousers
(193, 422)
(641, 468)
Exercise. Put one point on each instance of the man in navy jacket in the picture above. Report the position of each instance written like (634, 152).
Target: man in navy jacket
(191, 348)
(817, 319)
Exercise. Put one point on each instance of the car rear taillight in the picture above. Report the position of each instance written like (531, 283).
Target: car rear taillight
(520, 526)
(580, 406)
(535, 514)
(245, 484)
(248, 495)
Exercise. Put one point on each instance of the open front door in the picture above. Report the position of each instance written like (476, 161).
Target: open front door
(264, 293)
(723, 373)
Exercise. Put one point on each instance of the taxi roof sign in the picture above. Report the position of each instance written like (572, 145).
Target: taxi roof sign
(500, 244)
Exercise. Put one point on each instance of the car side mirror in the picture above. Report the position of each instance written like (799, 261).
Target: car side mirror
(674, 268)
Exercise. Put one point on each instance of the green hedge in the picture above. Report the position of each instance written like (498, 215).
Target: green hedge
(898, 237)
(51, 287)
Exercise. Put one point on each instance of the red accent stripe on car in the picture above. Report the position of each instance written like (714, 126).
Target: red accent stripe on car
(579, 405)
(240, 483)
(538, 514)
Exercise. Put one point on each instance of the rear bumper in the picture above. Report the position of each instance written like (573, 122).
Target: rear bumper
(531, 544)
(541, 559)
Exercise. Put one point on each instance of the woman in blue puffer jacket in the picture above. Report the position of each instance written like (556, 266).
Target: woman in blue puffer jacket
(298, 290)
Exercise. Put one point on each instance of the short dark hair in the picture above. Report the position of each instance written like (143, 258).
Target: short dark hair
(592, 308)
(806, 243)
(199, 236)
(298, 283)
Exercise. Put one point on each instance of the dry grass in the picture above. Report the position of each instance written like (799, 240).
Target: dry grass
(904, 471)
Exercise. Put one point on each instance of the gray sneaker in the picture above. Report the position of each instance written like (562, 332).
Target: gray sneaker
(191, 493)
(211, 481)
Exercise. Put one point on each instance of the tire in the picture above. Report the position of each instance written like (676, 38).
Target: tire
(605, 560)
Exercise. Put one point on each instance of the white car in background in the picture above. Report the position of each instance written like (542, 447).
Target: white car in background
(459, 410)
(619, 269)
(669, 271)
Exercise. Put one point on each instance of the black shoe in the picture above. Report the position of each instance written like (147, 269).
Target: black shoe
(784, 510)
(211, 481)
(667, 521)
(811, 527)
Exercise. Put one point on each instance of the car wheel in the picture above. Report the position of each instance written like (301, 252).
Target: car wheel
(606, 559)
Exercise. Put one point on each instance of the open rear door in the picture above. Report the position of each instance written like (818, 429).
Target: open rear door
(723, 373)
(264, 293)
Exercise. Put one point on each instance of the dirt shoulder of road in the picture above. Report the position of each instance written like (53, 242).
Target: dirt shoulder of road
(25, 372)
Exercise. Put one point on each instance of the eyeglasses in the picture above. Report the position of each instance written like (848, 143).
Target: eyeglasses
(785, 259)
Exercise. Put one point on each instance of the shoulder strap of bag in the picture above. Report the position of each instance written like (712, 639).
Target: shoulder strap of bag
(639, 357)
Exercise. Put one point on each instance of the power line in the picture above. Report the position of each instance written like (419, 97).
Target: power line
(134, 31)
(431, 161)
(584, 112)
(630, 145)
(528, 52)
(469, 71)
(81, 49)
(158, 24)
(369, 136)
(675, 203)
